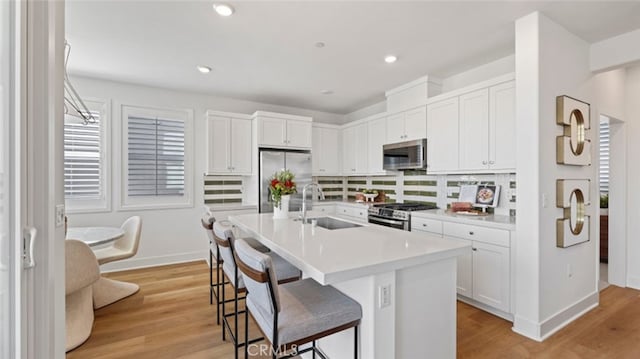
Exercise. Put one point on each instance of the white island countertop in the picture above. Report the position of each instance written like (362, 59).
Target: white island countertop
(332, 256)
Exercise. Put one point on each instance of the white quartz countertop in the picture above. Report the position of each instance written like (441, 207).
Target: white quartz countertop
(492, 221)
(332, 256)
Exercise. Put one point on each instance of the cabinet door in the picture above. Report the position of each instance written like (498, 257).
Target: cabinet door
(415, 124)
(299, 134)
(271, 132)
(241, 149)
(330, 155)
(362, 148)
(218, 145)
(349, 151)
(464, 282)
(474, 130)
(316, 151)
(442, 136)
(491, 275)
(377, 138)
(502, 126)
(395, 128)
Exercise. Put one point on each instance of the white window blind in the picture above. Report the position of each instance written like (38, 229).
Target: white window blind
(156, 157)
(604, 155)
(82, 159)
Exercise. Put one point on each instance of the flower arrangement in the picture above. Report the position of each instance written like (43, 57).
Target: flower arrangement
(282, 184)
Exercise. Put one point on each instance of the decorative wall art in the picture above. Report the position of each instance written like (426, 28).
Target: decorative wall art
(573, 197)
(573, 147)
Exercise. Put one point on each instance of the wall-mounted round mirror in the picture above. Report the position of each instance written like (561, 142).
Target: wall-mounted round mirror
(578, 132)
(576, 221)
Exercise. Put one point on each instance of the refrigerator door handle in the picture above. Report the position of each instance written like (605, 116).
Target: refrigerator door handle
(269, 194)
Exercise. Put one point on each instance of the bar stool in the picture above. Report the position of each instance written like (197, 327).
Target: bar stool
(214, 253)
(293, 314)
(225, 240)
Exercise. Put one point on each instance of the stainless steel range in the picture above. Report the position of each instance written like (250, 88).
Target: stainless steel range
(396, 215)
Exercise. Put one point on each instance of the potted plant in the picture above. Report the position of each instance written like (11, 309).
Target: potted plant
(281, 186)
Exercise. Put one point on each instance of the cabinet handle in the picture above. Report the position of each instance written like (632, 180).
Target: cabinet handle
(474, 249)
(424, 224)
(492, 162)
(471, 233)
(484, 162)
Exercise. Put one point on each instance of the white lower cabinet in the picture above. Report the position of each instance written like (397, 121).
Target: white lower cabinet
(491, 275)
(357, 213)
(484, 275)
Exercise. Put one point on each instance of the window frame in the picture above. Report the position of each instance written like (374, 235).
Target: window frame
(127, 203)
(103, 204)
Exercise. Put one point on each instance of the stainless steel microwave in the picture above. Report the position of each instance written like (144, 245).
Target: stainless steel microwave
(409, 155)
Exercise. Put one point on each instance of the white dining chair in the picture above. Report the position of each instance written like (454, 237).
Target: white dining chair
(107, 291)
(125, 247)
(81, 271)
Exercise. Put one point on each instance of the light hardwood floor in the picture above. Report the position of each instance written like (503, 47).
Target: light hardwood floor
(171, 318)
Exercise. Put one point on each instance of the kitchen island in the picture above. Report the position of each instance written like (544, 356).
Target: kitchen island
(405, 282)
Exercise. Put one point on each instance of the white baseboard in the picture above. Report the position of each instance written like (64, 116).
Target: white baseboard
(633, 282)
(527, 328)
(548, 327)
(137, 263)
(561, 319)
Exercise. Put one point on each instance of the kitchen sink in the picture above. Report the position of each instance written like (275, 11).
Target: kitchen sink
(332, 223)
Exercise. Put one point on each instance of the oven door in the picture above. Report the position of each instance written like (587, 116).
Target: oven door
(394, 223)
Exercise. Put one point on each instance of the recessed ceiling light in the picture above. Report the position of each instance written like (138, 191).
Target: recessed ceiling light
(223, 9)
(326, 92)
(204, 69)
(320, 44)
(390, 59)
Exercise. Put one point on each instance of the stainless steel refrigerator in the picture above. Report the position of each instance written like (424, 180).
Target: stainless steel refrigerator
(272, 161)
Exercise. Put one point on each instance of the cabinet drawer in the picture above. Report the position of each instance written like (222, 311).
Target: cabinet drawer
(360, 213)
(426, 225)
(324, 208)
(482, 234)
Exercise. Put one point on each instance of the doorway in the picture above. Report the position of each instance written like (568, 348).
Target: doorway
(613, 187)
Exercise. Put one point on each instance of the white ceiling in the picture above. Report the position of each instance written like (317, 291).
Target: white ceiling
(265, 52)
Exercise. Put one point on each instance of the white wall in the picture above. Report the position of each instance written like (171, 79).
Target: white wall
(374, 109)
(633, 175)
(610, 92)
(481, 73)
(554, 285)
(168, 235)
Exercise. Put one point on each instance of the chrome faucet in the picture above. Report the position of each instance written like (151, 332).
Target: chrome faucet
(304, 199)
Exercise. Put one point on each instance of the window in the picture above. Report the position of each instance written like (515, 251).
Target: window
(157, 158)
(604, 155)
(85, 165)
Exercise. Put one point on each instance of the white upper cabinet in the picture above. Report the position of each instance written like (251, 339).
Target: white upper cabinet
(229, 149)
(282, 131)
(325, 151)
(377, 138)
(408, 125)
(443, 140)
(502, 126)
(272, 132)
(299, 134)
(483, 116)
(355, 156)
(474, 130)
(415, 124)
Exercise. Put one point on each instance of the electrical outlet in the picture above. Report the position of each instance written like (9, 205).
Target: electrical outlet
(384, 299)
(59, 215)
